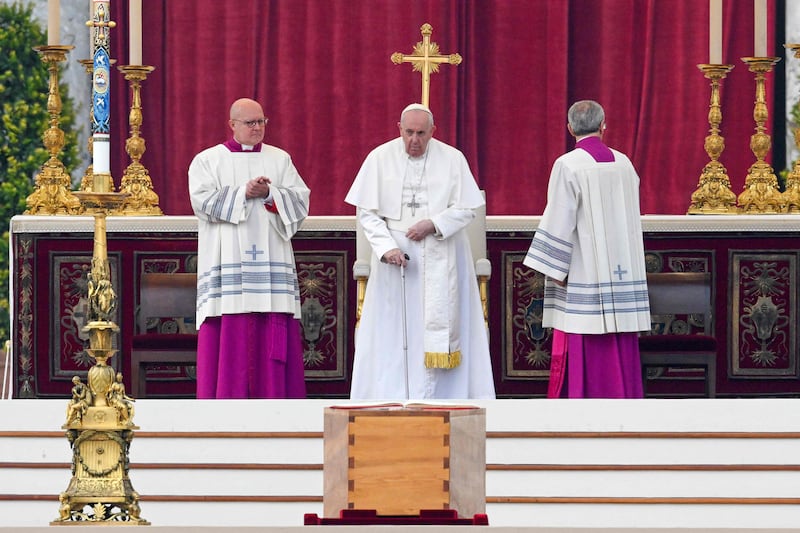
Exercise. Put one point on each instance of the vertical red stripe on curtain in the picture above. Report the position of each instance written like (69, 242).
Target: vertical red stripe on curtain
(321, 70)
(514, 119)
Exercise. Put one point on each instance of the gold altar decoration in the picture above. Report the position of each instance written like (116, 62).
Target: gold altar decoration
(51, 194)
(791, 194)
(761, 192)
(426, 59)
(136, 182)
(99, 416)
(713, 194)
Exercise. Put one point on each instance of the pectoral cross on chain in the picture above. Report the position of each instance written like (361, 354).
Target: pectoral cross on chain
(413, 204)
(426, 59)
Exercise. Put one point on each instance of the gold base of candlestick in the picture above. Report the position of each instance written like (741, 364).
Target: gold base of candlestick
(142, 200)
(136, 182)
(713, 195)
(761, 194)
(51, 194)
(790, 199)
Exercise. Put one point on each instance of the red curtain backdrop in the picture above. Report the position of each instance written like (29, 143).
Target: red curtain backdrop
(322, 72)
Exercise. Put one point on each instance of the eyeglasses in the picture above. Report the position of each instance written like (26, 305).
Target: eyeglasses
(253, 123)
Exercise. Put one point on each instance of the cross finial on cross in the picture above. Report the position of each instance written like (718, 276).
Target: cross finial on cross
(426, 59)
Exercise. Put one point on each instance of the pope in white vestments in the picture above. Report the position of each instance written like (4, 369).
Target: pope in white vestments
(414, 197)
(249, 200)
(589, 245)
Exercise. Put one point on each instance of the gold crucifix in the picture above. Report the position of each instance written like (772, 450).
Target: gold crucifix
(425, 59)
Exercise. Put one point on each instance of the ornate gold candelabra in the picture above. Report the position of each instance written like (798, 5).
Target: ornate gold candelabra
(791, 194)
(713, 194)
(761, 193)
(99, 418)
(136, 182)
(51, 194)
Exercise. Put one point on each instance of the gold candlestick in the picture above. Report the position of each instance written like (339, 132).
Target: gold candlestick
(791, 195)
(761, 193)
(52, 195)
(136, 182)
(713, 194)
(99, 420)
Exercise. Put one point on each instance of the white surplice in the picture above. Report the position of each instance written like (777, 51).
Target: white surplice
(591, 230)
(245, 260)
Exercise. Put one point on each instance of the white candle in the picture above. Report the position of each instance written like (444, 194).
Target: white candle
(101, 154)
(135, 33)
(52, 23)
(715, 32)
(760, 17)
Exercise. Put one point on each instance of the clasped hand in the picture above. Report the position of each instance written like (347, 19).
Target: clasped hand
(421, 229)
(257, 188)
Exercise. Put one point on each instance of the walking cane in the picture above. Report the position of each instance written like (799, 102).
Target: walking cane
(405, 328)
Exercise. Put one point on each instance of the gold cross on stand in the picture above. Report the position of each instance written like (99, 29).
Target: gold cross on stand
(426, 59)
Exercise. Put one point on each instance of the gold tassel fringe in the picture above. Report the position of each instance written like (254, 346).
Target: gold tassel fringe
(442, 359)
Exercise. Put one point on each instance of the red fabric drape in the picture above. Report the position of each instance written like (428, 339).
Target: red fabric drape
(321, 70)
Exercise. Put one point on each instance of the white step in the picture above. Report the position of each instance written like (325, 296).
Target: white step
(550, 463)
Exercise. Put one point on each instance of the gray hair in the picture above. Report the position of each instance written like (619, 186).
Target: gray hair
(585, 116)
(417, 107)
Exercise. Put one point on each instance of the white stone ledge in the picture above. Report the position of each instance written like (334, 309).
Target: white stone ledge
(499, 224)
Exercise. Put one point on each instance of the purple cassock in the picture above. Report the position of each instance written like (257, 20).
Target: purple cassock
(600, 366)
(252, 355)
